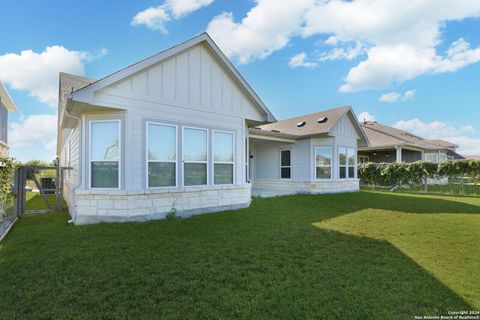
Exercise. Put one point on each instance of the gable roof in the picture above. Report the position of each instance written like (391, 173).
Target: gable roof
(6, 100)
(143, 64)
(380, 135)
(312, 126)
(69, 83)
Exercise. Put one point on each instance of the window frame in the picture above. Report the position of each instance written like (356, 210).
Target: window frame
(364, 157)
(355, 163)
(346, 165)
(205, 162)
(147, 161)
(119, 160)
(222, 162)
(435, 154)
(290, 166)
(315, 162)
(339, 166)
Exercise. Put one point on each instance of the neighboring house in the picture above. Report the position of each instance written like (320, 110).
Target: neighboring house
(6, 106)
(388, 144)
(183, 132)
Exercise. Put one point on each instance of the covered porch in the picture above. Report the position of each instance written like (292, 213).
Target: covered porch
(390, 154)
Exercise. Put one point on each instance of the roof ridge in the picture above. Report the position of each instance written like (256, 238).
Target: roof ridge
(309, 114)
(387, 134)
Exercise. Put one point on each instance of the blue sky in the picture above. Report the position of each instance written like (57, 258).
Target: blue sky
(413, 66)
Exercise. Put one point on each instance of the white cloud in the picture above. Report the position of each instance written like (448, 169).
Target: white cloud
(155, 18)
(300, 60)
(344, 51)
(37, 73)
(181, 8)
(365, 116)
(442, 130)
(268, 27)
(408, 95)
(33, 130)
(392, 97)
(400, 39)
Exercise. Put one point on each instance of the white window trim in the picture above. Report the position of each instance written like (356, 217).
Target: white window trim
(205, 162)
(90, 160)
(355, 161)
(315, 163)
(222, 162)
(290, 166)
(166, 161)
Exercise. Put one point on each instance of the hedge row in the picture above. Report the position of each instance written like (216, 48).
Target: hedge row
(399, 174)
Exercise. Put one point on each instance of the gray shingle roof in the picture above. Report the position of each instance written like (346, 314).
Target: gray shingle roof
(311, 127)
(380, 135)
(70, 83)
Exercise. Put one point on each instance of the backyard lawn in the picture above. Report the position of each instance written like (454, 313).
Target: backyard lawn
(366, 255)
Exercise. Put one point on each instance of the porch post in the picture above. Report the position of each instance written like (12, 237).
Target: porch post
(399, 154)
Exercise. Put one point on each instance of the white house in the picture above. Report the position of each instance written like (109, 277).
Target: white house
(182, 131)
(6, 106)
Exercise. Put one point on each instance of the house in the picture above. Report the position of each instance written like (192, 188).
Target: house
(6, 106)
(388, 144)
(315, 153)
(183, 132)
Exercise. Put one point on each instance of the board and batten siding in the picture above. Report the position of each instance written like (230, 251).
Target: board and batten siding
(192, 79)
(188, 89)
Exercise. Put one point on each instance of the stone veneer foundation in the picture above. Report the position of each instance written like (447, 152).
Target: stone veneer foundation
(312, 187)
(93, 206)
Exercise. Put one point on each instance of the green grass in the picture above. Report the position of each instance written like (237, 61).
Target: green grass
(364, 255)
(34, 201)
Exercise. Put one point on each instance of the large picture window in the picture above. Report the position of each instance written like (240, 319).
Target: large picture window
(346, 163)
(104, 154)
(323, 162)
(285, 164)
(195, 156)
(223, 157)
(161, 155)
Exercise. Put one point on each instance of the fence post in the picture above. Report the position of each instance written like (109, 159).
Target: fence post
(425, 184)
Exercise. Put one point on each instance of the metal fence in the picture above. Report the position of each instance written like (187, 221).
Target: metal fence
(7, 217)
(37, 189)
(456, 186)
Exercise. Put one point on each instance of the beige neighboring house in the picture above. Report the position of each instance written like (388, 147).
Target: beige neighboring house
(388, 144)
(6, 106)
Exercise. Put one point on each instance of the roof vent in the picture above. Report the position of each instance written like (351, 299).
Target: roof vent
(301, 124)
(322, 120)
(274, 131)
(257, 128)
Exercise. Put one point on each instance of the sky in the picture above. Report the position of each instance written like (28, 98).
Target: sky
(409, 64)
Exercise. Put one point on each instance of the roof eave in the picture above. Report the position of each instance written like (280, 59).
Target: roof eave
(6, 100)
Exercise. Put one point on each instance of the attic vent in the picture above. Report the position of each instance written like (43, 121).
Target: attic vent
(274, 131)
(301, 124)
(322, 120)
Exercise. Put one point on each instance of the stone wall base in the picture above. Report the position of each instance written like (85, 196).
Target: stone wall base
(93, 206)
(309, 187)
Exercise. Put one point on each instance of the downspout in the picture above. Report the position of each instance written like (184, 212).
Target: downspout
(72, 191)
